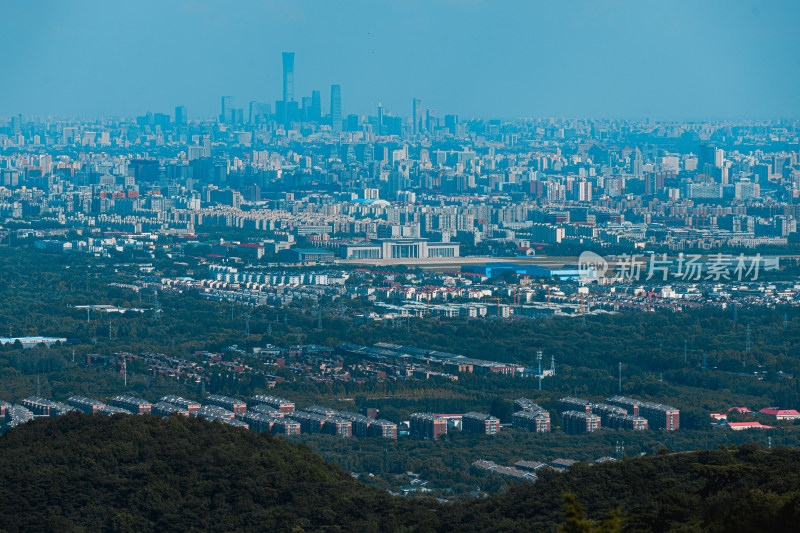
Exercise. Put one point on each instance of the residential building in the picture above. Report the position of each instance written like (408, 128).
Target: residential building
(576, 422)
(479, 423)
(427, 426)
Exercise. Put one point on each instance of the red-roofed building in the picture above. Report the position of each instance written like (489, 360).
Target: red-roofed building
(740, 410)
(249, 248)
(780, 414)
(739, 426)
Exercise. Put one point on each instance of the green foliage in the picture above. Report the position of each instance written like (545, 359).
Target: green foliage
(575, 520)
(143, 473)
(137, 473)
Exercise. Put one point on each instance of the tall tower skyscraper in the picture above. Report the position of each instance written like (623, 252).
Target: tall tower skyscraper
(288, 77)
(226, 116)
(180, 115)
(637, 164)
(336, 108)
(316, 107)
(417, 118)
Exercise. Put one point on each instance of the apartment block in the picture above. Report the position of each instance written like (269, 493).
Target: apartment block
(281, 404)
(577, 422)
(427, 426)
(237, 407)
(574, 404)
(536, 421)
(130, 403)
(479, 423)
(189, 405)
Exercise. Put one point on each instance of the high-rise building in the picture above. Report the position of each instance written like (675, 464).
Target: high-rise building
(306, 108)
(336, 108)
(180, 116)
(450, 122)
(315, 114)
(226, 115)
(417, 116)
(637, 163)
(710, 158)
(288, 76)
(259, 112)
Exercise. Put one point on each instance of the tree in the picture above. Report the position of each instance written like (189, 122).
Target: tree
(576, 521)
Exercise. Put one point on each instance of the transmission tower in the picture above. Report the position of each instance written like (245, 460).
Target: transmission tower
(553, 364)
(156, 307)
(539, 357)
(620, 449)
(269, 329)
(620, 377)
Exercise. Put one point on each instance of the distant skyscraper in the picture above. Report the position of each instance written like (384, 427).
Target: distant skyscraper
(226, 116)
(637, 164)
(259, 112)
(416, 112)
(288, 77)
(380, 119)
(710, 158)
(180, 116)
(450, 122)
(316, 107)
(336, 108)
(306, 108)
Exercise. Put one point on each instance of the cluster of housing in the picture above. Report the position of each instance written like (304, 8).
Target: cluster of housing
(266, 413)
(526, 470)
(582, 416)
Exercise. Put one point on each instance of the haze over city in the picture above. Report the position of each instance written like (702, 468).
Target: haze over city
(677, 60)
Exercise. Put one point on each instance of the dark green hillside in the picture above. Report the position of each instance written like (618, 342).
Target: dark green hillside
(133, 473)
(142, 473)
(748, 489)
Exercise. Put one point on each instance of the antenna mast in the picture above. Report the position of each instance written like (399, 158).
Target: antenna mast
(539, 357)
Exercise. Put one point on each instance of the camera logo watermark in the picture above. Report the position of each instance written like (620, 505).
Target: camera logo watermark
(684, 267)
(591, 266)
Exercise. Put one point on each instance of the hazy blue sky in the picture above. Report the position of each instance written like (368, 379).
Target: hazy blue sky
(490, 58)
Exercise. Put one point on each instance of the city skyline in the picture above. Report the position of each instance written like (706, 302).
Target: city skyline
(718, 60)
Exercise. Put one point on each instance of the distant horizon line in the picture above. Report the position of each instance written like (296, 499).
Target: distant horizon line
(215, 118)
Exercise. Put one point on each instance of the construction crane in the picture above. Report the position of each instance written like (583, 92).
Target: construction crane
(498, 305)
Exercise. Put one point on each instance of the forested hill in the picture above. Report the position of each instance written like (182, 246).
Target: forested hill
(141, 473)
(748, 489)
